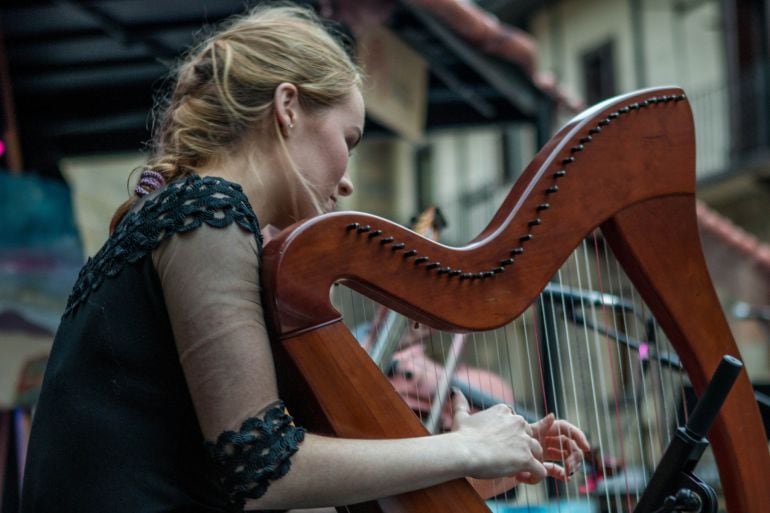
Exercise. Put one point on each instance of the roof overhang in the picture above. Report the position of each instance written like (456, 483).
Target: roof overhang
(83, 75)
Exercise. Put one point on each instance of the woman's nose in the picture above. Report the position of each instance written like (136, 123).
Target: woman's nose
(345, 187)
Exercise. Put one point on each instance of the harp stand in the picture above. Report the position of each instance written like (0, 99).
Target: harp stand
(673, 486)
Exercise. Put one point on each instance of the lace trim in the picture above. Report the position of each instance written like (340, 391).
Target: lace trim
(248, 460)
(183, 206)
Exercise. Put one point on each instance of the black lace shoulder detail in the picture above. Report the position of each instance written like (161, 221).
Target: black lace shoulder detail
(183, 206)
(249, 459)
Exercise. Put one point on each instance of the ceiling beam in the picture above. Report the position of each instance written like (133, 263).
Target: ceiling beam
(502, 75)
(96, 79)
(117, 31)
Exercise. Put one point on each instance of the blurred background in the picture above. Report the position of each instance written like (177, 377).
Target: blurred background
(460, 96)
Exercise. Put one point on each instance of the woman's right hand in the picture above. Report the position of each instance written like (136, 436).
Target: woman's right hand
(500, 443)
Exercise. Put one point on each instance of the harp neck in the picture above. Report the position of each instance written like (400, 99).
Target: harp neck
(617, 154)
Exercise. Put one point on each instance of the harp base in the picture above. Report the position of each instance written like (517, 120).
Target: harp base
(692, 494)
(686, 449)
(697, 497)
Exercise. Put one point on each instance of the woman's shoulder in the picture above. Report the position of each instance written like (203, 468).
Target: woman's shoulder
(184, 205)
(181, 207)
(188, 202)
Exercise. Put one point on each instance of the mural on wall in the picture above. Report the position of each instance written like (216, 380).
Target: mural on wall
(40, 256)
(40, 249)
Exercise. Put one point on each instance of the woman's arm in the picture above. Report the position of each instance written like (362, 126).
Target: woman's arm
(329, 471)
(211, 288)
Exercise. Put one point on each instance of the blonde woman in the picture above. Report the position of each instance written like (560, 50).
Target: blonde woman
(160, 392)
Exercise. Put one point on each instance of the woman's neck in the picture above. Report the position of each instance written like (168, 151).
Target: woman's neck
(261, 186)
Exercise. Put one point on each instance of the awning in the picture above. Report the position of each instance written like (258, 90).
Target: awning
(83, 74)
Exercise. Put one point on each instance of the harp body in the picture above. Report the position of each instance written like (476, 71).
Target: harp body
(625, 166)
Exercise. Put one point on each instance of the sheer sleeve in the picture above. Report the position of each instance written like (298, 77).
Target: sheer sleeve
(210, 282)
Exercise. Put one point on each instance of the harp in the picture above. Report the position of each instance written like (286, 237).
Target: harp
(625, 167)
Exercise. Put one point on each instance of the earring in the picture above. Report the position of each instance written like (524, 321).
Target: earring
(291, 125)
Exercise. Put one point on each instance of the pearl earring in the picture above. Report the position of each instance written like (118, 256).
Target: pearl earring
(291, 125)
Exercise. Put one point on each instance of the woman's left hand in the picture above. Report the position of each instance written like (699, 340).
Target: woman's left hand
(562, 442)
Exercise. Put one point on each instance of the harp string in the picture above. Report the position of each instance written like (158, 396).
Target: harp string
(578, 414)
(661, 384)
(589, 358)
(645, 360)
(558, 369)
(635, 367)
(657, 382)
(433, 419)
(507, 334)
(577, 370)
(555, 373)
(531, 367)
(636, 460)
(607, 371)
(611, 404)
(614, 359)
(631, 327)
(547, 406)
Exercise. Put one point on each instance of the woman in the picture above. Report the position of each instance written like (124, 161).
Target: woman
(160, 392)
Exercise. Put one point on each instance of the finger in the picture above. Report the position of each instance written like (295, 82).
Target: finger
(574, 461)
(460, 404)
(573, 467)
(556, 454)
(520, 422)
(536, 449)
(575, 457)
(542, 426)
(565, 428)
(524, 477)
(582, 441)
(526, 426)
(564, 443)
(528, 429)
(565, 450)
(556, 471)
(536, 470)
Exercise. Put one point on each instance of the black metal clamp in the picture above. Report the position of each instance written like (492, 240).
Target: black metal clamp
(673, 486)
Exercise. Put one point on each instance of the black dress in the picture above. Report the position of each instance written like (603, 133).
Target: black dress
(115, 429)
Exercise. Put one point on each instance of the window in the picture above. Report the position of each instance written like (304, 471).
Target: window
(599, 73)
(424, 176)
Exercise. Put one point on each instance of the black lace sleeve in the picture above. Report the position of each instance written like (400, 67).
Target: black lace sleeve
(183, 206)
(249, 459)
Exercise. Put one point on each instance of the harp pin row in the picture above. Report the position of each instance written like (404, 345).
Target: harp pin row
(537, 221)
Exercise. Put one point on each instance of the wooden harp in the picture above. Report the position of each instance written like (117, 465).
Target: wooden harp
(626, 167)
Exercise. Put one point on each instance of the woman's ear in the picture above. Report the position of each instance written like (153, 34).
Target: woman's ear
(286, 100)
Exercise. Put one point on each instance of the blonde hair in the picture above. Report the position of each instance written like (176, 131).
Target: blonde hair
(225, 86)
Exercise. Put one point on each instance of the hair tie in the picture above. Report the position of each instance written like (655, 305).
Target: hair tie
(149, 181)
